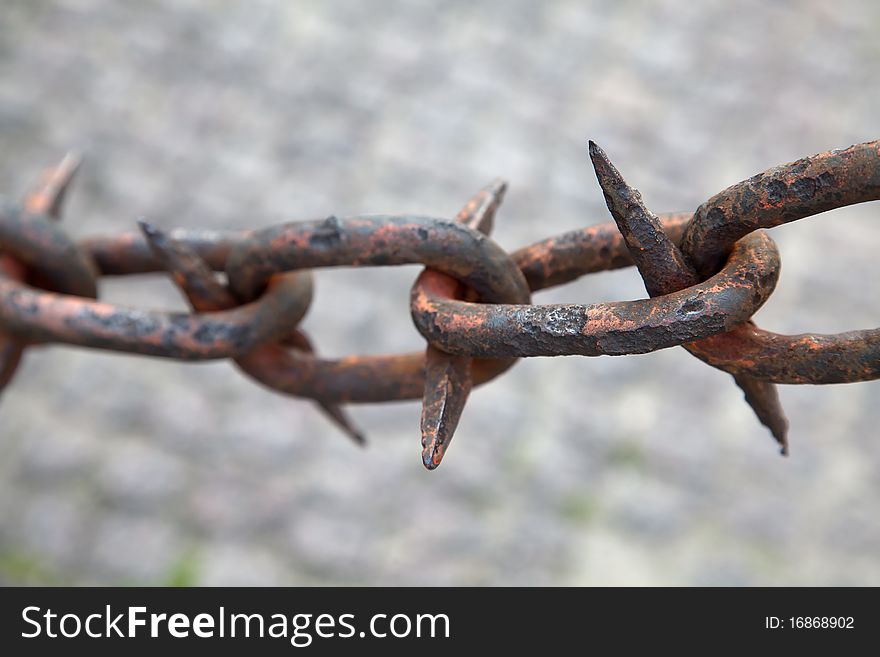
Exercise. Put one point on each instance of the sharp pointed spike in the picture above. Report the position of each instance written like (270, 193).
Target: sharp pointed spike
(188, 270)
(300, 340)
(764, 400)
(48, 197)
(153, 234)
(341, 419)
(661, 263)
(479, 212)
(448, 378)
(448, 383)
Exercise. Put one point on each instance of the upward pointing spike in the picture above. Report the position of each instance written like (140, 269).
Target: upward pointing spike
(662, 265)
(49, 194)
(479, 212)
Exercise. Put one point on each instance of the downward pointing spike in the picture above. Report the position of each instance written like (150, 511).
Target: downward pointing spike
(448, 379)
(334, 412)
(448, 383)
(665, 269)
(764, 400)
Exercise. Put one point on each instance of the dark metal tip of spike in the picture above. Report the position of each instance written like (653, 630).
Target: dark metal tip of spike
(356, 436)
(338, 416)
(434, 439)
(434, 443)
(598, 154)
(148, 229)
(618, 193)
(605, 170)
(157, 239)
(428, 459)
(764, 401)
(781, 436)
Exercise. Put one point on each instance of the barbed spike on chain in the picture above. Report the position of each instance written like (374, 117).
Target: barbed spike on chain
(206, 293)
(763, 397)
(335, 413)
(189, 272)
(448, 379)
(662, 265)
(47, 197)
(665, 269)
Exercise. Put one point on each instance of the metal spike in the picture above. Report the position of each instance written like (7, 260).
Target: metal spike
(448, 380)
(448, 383)
(300, 340)
(191, 274)
(665, 269)
(48, 196)
(479, 212)
(662, 265)
(763, 397)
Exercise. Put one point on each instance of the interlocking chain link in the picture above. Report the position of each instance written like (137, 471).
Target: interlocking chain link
(706, 274)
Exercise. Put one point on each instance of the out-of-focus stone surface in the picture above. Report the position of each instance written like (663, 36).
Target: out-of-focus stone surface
(638, 470)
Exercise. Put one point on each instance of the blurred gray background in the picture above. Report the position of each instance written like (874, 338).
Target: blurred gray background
(635, 470)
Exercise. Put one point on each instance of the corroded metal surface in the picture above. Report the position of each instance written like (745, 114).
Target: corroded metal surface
(51, 317)
(53, 260)
(130, 253)
(706, 275)
(777, 196)
(42, 203)
(377, 240)
(806, 358)
(781, 195)
(563, 258)
(615, 328)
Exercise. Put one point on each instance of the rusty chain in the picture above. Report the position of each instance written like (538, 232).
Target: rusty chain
(706, 274)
